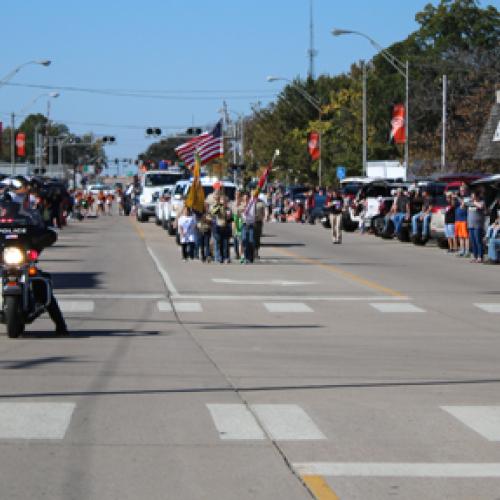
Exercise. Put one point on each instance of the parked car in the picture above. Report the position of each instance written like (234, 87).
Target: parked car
(153, 182)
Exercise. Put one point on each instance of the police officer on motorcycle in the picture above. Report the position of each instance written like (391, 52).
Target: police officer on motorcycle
(18, 197)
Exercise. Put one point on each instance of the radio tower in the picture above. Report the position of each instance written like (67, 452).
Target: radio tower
(311, 52)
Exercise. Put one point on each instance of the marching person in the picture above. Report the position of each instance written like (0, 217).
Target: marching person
(187, 233)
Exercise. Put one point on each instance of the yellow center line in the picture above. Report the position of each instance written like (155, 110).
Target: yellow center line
(341, 272)
(138, 229)
(319, 488)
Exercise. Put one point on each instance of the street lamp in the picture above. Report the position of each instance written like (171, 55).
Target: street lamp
(399, 66)
(11, 74)
(48, 94)
(313, 102)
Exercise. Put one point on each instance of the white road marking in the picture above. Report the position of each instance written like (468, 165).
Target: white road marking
(489, 308)
(282, 298)
(286, 422)
(77, 306)
(164, 306)
(485, 420)
(397, 308)
(188, 307)
(166, 278)
(227, 281)
(287, 307)
(235, 421)
(112, 296)
(35, 420)
(381, 469)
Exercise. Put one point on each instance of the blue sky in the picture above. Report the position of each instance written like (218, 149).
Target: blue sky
(223, 48)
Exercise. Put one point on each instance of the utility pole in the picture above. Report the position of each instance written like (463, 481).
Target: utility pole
(364, 119)
(443, 135)
(311, 52)
(12, 143)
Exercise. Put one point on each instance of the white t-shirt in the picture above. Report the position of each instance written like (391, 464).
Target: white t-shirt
(187, 229)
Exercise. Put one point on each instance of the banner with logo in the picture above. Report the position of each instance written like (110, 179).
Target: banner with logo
(398, 134)
(21, 144)
(313, 145)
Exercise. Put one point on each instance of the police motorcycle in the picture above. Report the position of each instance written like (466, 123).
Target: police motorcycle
(26, 290)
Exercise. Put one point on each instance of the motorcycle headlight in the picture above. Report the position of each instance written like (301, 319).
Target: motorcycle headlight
(13, 256)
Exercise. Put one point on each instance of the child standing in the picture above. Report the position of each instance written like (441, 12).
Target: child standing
(187, 233)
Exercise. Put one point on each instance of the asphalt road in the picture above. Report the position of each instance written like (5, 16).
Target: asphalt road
(367, 370)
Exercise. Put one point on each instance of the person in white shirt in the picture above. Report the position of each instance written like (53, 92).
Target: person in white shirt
(187, 233)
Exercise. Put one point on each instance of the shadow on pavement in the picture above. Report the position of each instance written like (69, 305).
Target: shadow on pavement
(21, 364)
(81, 334)
(252, 327)
(282, 245)
(75, 280)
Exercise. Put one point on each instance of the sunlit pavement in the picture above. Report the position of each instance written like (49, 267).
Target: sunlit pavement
(364, 370)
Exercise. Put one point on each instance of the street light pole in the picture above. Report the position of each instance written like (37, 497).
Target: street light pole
(315, 104)
(11, 74)
(364, 120)
(12, 144)
(402, 69)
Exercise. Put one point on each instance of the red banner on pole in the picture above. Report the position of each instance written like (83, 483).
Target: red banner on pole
(21, 144)
(398, 134)
(313, 145)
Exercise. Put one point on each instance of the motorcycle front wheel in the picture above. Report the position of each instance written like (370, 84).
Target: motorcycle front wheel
(13, 320)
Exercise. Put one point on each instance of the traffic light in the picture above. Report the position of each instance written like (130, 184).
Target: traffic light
(109, 139)
(193, 131)
(153, 131)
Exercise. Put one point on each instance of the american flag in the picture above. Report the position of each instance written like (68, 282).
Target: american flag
(209, 145)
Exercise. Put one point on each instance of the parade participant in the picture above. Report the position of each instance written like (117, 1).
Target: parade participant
(101, 198)
(260, 215)
(248, 228)
(204, 226)
(187, 233)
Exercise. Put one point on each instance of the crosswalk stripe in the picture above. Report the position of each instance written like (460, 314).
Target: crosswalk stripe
(235, 421)
(287, 422)
(388, 469)
(188, 307)
(164, 306)
(35, 420)
(77, 306)
(489, 308)
(396, 308)
(485, 420)
(287, 307)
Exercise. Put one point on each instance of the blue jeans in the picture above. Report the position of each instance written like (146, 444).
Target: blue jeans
(493, 249)
(247, 237)
(204, 245)
(476, 237)
(398, 219)
(236, 243)
(425, 226)
(217, 234)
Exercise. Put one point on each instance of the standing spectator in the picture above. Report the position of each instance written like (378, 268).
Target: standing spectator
(237, 226)
(120, 201)
(461, 232)
(449, 223)
(187, 228)
(475, 225)
(335, 207)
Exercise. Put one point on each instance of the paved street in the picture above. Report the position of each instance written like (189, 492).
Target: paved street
(367, 370)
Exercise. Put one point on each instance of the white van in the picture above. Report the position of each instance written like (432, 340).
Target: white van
(153, 183)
